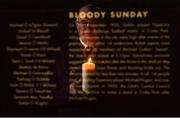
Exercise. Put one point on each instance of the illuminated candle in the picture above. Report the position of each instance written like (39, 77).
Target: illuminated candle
(88, 70)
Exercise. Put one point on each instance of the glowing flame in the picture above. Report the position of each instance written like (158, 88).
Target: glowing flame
(89, 61)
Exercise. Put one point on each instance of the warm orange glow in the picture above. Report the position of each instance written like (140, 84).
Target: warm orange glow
(88, 65)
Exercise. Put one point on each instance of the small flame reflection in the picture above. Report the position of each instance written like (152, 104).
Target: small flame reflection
(89, 61)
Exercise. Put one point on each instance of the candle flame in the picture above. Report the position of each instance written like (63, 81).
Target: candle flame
(89, 61)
